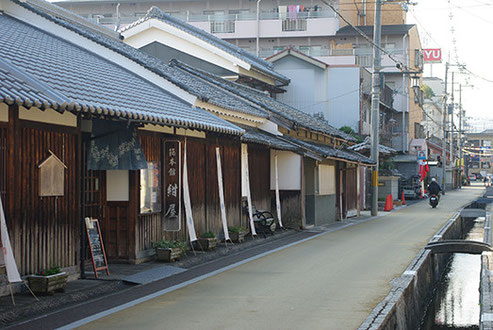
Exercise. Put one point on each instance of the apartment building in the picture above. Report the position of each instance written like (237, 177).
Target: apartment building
(478, 152)
(308, 25)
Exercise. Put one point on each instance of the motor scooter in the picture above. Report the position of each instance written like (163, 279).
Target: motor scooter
(433, 200)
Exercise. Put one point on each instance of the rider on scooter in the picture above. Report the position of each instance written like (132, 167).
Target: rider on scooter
(434, 188)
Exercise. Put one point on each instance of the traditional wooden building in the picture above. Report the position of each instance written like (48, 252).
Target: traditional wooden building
(109, 125)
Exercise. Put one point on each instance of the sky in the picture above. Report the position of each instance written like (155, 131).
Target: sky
(470, 23)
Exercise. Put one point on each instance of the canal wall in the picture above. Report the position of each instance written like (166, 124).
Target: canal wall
(486, 284)
(405, 305)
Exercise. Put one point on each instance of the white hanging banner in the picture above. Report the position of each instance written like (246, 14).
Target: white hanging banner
(8, 256)
(278, 200)
(221, 194)
(186, 200)
(244, 150)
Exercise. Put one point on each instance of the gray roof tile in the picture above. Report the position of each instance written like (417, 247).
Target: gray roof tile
(254, 135)
(327, 151)
(256, 62)
(93, 83)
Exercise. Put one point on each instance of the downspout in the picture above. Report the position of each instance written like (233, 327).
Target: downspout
(364, 12)
(258, 28)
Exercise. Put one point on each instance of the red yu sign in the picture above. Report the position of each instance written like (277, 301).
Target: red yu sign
(432, 55)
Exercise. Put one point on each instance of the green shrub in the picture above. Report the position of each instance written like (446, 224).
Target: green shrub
(50, 271)
(236, 229)
(165, 244)
(208, 234)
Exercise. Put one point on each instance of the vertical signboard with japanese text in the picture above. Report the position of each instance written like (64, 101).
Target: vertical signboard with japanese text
(172, 186)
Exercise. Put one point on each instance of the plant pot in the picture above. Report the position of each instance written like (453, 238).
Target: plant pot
(168, 255)
(207, 244)
(237, 237)
(48, 284)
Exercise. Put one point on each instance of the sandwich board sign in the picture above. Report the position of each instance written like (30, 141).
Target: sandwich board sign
(96, 246)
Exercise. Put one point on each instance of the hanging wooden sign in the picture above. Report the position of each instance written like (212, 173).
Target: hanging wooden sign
(96, 246)
(51, 176)
(172, 186)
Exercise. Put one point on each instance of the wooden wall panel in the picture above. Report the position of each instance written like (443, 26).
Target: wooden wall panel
(44, 231)
(232, 183)
(351, 189)
(213, 208)
(197, 176)
(259, 169)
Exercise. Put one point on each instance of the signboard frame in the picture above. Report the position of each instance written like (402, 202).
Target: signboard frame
(90, 225)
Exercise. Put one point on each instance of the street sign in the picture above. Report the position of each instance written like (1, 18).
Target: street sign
(432, 55)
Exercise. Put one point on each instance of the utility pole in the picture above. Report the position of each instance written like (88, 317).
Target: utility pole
(451, 124)
(375, 104)
(460, 136)
(444, 124)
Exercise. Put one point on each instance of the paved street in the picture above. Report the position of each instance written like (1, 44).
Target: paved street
(331, 282)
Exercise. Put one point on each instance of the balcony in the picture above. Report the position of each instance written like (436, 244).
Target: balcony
(244, 25)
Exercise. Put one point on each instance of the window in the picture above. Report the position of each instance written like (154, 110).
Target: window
(150, 188)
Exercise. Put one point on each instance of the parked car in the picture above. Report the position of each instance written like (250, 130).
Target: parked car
(472, 177)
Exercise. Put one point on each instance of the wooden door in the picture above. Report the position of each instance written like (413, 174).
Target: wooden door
(351, 192)
(115, 230)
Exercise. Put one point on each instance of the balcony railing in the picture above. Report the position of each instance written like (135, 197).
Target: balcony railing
(226, 18)
(294, 24)
(223, 27)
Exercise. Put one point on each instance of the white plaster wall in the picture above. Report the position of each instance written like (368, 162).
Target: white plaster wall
(326, 179)
(343, 97)
(117, 186)
(337, 60)
(289, 167)
(4, 112)
(48, 116)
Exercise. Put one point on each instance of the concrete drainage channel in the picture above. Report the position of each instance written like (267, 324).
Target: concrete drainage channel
(412, 292)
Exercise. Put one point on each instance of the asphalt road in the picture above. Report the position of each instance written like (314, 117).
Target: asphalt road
(330, 282)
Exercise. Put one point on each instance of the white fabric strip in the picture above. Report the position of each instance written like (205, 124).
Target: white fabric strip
(221, 194)
(8, 256)
(186, 200)
(278, 199)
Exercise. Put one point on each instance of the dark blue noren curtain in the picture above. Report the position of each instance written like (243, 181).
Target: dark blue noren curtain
(115, 146)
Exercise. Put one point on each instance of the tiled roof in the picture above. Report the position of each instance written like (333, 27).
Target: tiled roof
(254, 135)
(397, 29)
(258, 63)
(366, 144)
(327, 151)
(16, 89)
(197, 87)
(210, 92)
(90, 83)
(264, 100)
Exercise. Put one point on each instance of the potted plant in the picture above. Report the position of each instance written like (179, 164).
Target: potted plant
(207, 241)
(169, 251)
(237, 233)
(48, 281)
